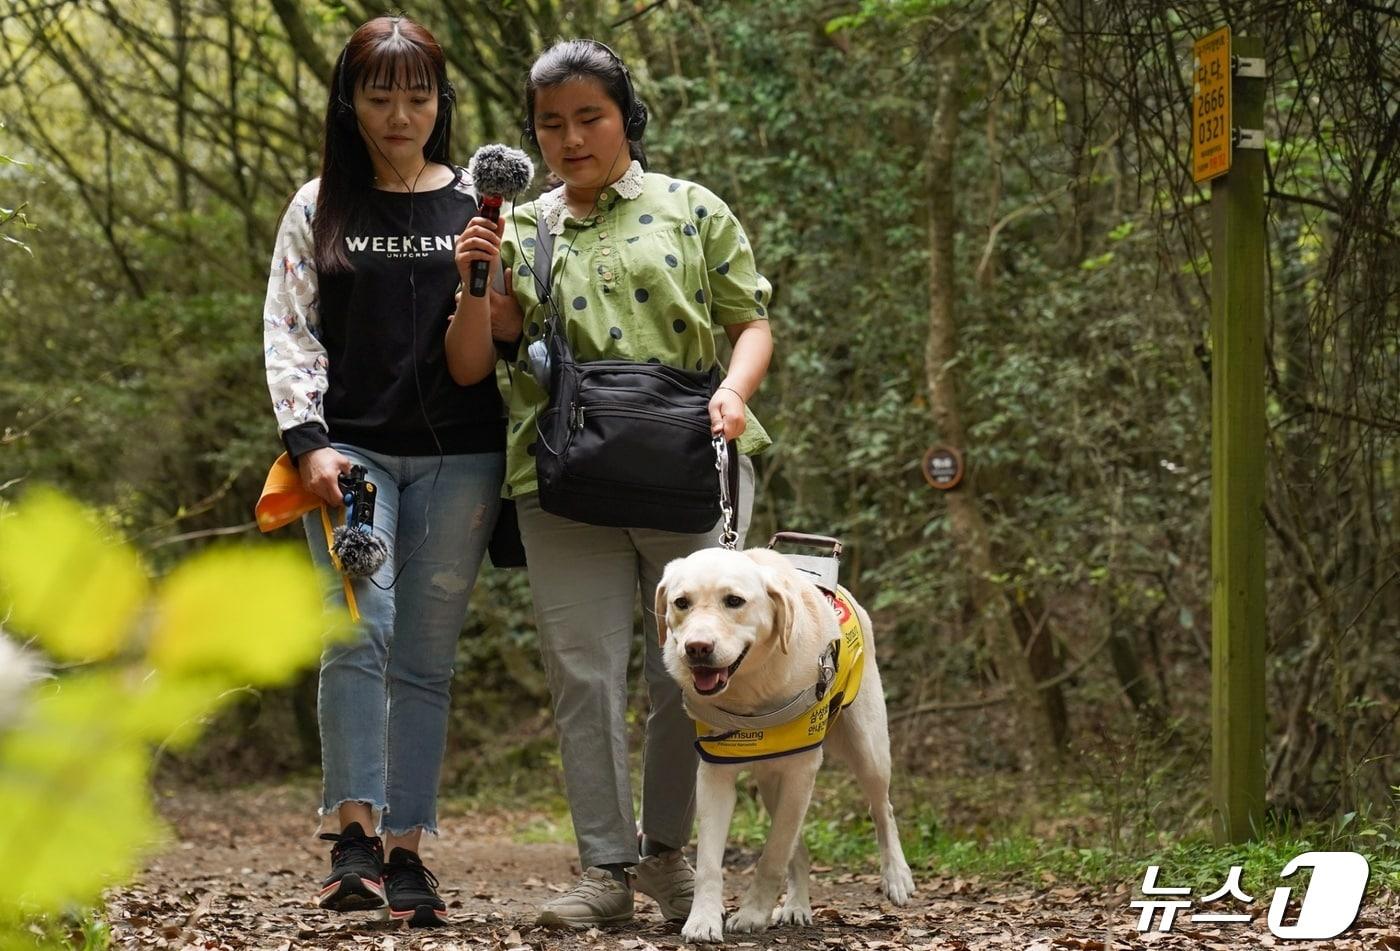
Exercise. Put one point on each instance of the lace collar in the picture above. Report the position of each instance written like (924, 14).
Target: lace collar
(553, 207)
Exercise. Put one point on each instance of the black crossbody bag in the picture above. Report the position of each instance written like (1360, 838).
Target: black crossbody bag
(624, 444)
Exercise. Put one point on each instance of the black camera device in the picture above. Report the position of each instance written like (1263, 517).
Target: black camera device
(358, 495)
(359, 551)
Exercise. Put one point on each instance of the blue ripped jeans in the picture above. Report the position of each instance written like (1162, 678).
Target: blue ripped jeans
(384, 695)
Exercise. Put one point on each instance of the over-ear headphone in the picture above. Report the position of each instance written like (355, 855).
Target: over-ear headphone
(634, 111)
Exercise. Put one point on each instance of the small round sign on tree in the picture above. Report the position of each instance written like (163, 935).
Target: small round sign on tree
(943, 467)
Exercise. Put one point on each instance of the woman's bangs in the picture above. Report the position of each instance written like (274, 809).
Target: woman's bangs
(398, 64)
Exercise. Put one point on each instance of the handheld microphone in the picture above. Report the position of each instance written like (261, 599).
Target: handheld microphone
(496, 171)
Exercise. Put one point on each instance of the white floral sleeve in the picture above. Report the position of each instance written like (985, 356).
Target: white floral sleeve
(295, 358)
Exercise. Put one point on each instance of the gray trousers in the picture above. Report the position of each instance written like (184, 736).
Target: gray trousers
(584, 580)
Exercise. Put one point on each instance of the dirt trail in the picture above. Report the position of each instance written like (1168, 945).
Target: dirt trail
(241, 869)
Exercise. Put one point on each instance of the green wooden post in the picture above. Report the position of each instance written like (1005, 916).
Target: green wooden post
(1237, 473)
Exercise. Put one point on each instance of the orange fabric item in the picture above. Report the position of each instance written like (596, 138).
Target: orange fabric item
(284, 499)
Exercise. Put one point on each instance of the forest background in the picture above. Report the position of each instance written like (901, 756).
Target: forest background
(981, 229)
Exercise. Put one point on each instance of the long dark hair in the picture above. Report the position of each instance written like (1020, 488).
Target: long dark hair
(579, 59)
(383, 53)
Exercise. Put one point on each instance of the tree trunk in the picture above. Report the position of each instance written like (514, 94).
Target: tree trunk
(1072, 82)
(1123, 652)
(992, 617)
(1032, 623)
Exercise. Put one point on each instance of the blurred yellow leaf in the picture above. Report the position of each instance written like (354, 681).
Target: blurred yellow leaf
(135, 707)
(252, 615)
(75, 759)
(67, 585)
(171, 710)
(77, 813)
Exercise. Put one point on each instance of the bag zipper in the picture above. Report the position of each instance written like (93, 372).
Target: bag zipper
(578, 415)
(594, 367)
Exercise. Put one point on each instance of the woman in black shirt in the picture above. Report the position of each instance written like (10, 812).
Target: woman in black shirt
(359, 301)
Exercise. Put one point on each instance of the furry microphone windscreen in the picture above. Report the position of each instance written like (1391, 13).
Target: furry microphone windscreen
(500, 170)
(361, 553)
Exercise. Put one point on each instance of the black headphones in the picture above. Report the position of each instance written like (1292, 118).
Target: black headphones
(634, 111)
(345, 106)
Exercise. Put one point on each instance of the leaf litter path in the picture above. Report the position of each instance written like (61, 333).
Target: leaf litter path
(242, 866)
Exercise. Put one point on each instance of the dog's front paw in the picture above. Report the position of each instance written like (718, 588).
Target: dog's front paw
(704, 927)
(748, 920)
(898, 884)
(800, 915)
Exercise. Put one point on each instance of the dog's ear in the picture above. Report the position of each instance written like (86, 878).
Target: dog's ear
(785, 607)
(661, 601)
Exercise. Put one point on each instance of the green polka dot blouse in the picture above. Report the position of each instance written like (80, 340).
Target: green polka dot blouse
(648, 277)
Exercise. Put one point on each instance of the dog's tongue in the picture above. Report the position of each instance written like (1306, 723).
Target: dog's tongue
(708, 679)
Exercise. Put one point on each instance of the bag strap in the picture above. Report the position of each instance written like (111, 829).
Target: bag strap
(544, 247)
(544, 254)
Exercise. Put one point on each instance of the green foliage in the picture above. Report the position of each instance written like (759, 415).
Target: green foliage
(900, 12)
(839, 833)
(1198, 862)
(149, 662)
(130, 371)
(73, 931)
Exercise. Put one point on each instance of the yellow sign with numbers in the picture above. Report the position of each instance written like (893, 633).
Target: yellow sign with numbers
(1210, 111)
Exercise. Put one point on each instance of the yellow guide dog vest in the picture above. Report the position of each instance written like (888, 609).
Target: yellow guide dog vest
(841, 667)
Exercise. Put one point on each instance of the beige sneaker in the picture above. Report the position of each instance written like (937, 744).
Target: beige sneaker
(597, 899)
(669, 880)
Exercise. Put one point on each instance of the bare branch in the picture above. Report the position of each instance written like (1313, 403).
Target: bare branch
(637, 14)
(299, 35)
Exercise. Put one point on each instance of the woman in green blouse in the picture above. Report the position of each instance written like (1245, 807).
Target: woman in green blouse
(644, 268)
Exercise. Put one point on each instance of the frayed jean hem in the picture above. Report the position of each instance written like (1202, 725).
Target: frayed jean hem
(377, 811)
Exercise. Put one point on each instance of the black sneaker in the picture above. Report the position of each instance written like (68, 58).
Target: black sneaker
(412, 891)
(356, 881)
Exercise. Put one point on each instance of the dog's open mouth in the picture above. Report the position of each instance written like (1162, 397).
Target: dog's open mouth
(711, 680)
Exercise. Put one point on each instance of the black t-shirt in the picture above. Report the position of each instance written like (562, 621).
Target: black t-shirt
(382, 324)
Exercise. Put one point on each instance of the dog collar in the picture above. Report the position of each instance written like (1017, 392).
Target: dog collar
(784, 712)
(800, 723)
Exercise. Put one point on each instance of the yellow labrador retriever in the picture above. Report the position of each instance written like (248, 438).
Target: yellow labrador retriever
(751, 642)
